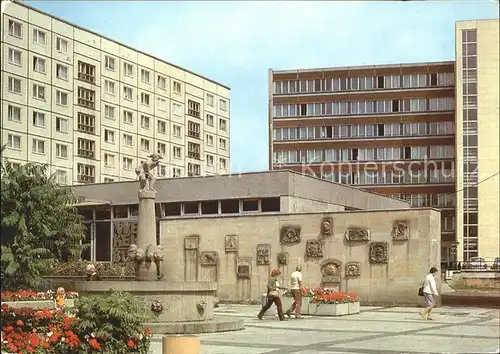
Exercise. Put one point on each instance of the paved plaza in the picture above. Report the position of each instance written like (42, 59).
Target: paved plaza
(392, 330)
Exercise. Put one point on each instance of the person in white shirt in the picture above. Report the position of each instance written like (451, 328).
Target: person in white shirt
(296, 288)
(430, 293)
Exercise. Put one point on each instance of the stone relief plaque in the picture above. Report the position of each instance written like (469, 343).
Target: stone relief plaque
(357, 234)
(243, 267)
(231, 243)
(283, 258)
(378, 252)
(208, 258)
(401, 230)
(191, 242)
(327, 226)
(353, 269)
(290, 235)
(330, 271)
(263, 254)
(124, 235)
(314, 248)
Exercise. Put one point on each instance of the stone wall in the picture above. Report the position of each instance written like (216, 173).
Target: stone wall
(358, 253)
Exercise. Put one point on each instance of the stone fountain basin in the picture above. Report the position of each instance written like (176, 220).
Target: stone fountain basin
(182, 301)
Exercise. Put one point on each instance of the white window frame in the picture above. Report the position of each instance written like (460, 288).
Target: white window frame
(38, 146)
(39, 36)
(59, 98)
(15, 27)
(60, 44)
(13, 140)
(109, 63)
(14, 113)
(13, 53)
(59, 151)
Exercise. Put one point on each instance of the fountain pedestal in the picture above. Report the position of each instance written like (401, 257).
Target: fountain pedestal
(146, 234)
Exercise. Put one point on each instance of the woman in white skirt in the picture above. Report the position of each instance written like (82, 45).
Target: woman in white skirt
(430, 294)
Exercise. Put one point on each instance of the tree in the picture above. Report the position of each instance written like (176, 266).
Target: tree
(40, 224)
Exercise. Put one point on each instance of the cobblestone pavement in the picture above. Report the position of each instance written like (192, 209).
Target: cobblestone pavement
(375, 330)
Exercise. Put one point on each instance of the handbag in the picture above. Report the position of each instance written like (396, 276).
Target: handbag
(273, 293)
(421, 290)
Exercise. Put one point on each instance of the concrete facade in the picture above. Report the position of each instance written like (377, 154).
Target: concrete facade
(478, 138)
(396, 280)
(93, 109)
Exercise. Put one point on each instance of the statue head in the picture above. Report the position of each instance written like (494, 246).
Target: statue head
(132, 251)
(155, 157)
(90, 269)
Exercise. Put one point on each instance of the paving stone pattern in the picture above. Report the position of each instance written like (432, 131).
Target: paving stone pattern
(375, 330)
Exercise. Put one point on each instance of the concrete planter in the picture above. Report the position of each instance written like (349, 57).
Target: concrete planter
(38, 304)
(330, 309)
(354, 308)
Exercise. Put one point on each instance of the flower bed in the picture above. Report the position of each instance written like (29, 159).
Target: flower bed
(333, 303)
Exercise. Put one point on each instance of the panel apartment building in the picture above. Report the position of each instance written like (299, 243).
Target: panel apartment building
(93, 109)
(399, 130)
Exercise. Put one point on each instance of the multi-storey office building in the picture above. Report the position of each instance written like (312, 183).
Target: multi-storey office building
(93, 108)
(388, 129)
(391, 129)
(478, 139)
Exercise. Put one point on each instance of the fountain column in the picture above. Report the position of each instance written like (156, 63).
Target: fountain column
(146, 234)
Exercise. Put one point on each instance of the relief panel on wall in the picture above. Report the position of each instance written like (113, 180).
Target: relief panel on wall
(124, 234)
(314, 248)
(191, 242)
(357, 234)
(231, 243)
(330, 270)
(378, 252)
(263, 254)
(353, 269)
(283, 258)
(208, 258)
(326, 227)
(243, 267)
(290, 235)
(401, 230)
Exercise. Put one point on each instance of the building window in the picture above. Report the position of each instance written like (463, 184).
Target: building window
(162, 170)
(162, 82)
(39, 92)
(109, 160)
(62, 45)
(61, 98)
(177, 152)
(210, 120)
(62, 72)
(86, 173)
(39, 119)
(39, 65)
(193, 130)
(109, 112)
(210, 100)
(161, 149)
(15, 29)
(222, 124)
(127, 140)
(14, 113)
(86, 72)
(108, 180)
(223, 105)
(128, 69)
(177, 87)
(109, 87)
(39, 37)
(86, 97)
(86, 148)
(193, 169)
(145, 76)
(38, 146)
(61, 125)
(145, 99)
(61, 151)
(145, 145)
(127, 93)
(61, 177)
(127, 163)
(223, 163)
(177, 109)
(127, 117)
(222, 144)
(14, 85)
(210, 160)
(161, 126)
(14, 142)
(176, 172)
(109, 63)
(194, 109)
(86, 123)
(194, 150)
(210, 140)
(109, 136)
(145, 122)
(15, 57)
(161, 104)
(177, 131)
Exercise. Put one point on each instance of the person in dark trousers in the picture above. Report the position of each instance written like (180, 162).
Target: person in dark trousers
(273, 296)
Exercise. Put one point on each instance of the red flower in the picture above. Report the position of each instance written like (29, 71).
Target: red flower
(19, 323)
(94, 344)
(130, 343)
(147, 332)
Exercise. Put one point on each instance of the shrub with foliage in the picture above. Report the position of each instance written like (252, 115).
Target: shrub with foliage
(40, 224)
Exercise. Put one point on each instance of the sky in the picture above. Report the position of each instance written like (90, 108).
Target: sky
(237, 42)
